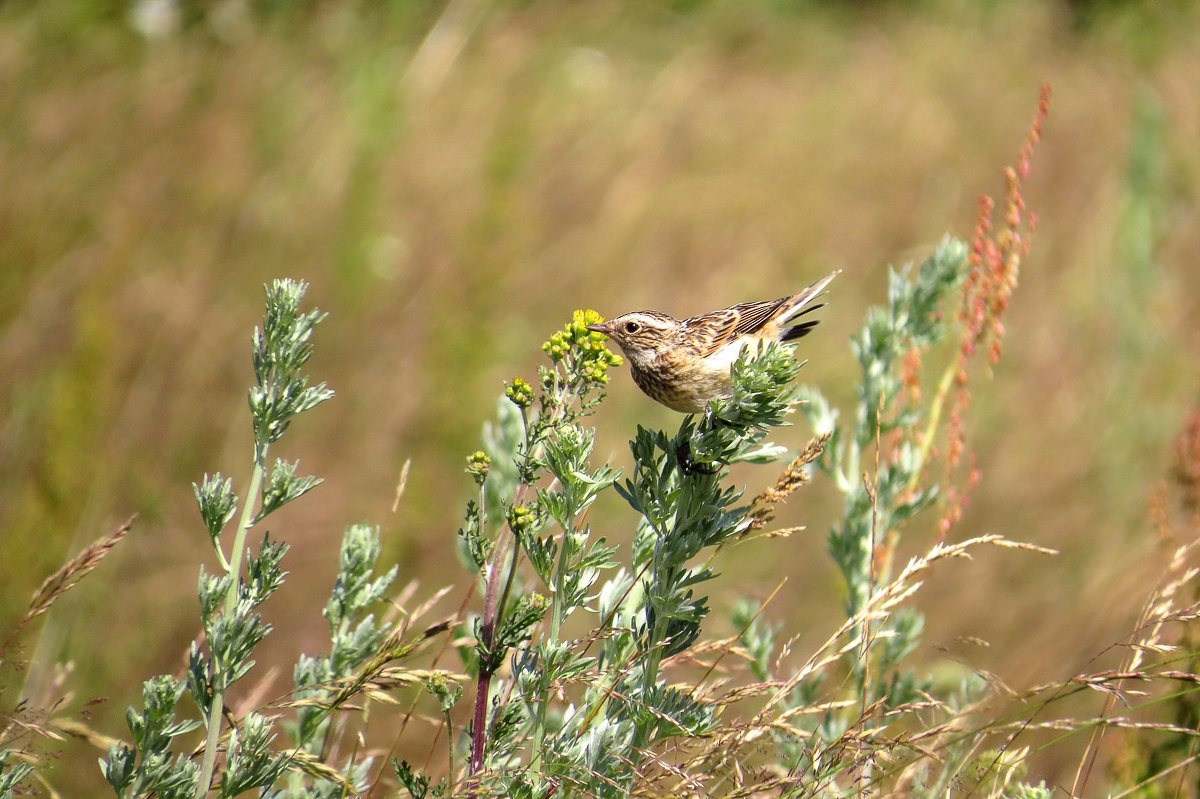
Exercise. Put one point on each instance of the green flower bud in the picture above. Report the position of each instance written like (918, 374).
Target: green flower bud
(520, 518)
(477, 466)
(519, 392)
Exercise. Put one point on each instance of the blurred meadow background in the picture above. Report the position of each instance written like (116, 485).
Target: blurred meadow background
(455, 178)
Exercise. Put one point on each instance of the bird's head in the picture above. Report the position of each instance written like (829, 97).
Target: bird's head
(640, 334)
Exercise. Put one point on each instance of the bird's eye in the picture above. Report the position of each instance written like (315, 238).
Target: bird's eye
(632, 327)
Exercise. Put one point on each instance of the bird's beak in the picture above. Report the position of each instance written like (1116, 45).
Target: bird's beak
(601, 328)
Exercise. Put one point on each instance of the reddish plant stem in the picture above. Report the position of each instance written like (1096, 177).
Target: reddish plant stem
(487, 634)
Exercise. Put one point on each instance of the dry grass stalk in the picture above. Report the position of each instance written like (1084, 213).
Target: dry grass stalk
(793, 477)
(67, 577)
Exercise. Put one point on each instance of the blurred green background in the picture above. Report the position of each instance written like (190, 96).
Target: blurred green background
(454, 179)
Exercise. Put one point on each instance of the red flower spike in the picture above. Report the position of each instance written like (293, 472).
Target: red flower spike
(994, 265)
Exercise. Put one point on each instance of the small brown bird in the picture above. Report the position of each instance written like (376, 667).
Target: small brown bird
(686, 364)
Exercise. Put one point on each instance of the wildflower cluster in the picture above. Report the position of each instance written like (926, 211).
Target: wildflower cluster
(535, 495)
(478, 465)
(580, 352)
(520, 519)
(536, 439)
(519, 393)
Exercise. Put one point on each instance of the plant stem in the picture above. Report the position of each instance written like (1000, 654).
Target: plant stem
(556, 620)
(486, 635)
(487, 629)
(653, 655)
(935, 416)
(208, 764)
(493, 604)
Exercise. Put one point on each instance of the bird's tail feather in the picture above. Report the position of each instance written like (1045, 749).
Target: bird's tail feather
(799, 331)
(800, 307)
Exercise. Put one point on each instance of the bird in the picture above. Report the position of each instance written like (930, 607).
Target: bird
(685, 364)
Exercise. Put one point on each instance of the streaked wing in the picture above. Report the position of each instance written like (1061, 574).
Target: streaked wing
(782, 312)
(753, 315)
(709, 332)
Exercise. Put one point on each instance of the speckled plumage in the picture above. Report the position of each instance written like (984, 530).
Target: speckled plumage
(684, 364)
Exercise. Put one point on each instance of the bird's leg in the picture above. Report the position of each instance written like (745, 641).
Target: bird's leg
(713, 420)
(683, 456)
(683, 451)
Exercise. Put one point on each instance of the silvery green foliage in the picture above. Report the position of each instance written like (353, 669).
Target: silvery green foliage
(217, 502)
(355, 638)
(229, 602)
(915, 316)
(536, 436)
(281, 348)
(11, 776)
(589, 741)
(678, 488)
(249, 761)
(150, 766)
